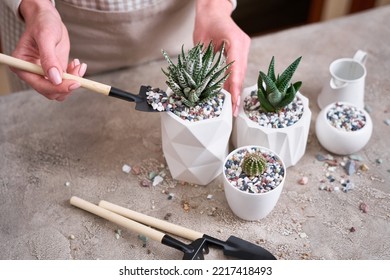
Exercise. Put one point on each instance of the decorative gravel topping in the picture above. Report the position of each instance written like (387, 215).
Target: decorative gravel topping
(346, 117)
(286, 117)
(160, 101)
(206, 110)
(270, 179)
(156, 98)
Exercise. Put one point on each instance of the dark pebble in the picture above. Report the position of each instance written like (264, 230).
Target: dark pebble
(350, 167)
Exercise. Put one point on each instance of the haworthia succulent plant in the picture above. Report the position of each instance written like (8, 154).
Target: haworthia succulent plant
(276, 92)
(198, 75)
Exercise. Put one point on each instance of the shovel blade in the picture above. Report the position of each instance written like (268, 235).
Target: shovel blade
(242, 249)
(141, 102)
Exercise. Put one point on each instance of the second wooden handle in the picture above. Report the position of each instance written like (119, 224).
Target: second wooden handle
(151, 221)
(118, 219)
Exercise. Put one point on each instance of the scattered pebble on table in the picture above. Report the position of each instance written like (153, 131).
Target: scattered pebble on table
(136, 170)
(363, 207)
(350, 168)
(356, 157)
(303, 235)
(303, 181)
(144, 239)
(157, 180)
(126, 168)
(167, 216)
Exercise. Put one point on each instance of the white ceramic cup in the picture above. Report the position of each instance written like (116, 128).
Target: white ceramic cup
(347, 81)
(339, 141)
(251, 206)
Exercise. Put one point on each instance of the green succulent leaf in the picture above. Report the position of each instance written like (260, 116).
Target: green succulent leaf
(285, 77)
(297, 85)
(290, 95)
(273, 95)
(271, 70)
(264, 103)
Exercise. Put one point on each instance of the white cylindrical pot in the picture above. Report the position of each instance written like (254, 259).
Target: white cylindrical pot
(252, 206)
(340, 141)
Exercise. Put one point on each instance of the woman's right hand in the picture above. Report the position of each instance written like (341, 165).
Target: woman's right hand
(46, 42)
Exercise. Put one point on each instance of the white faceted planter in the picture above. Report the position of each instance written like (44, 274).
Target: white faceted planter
(195, 151)
(289, 142)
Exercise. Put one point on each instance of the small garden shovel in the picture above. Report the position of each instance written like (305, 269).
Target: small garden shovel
(140, 99)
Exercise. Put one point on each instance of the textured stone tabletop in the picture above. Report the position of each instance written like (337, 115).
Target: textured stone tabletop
(50, 151)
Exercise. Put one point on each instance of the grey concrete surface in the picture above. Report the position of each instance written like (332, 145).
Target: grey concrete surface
(50, 151)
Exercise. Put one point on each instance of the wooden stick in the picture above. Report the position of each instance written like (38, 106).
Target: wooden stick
(36, 69)
(118, 219)
(151, 221)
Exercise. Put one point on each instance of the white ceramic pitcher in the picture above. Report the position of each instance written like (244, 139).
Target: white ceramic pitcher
(347, 81)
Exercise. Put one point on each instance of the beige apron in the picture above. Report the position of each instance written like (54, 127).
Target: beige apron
(111, 40)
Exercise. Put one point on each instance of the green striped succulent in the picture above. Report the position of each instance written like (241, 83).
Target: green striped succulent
(275, 93)
(197, 76)
(253, 164)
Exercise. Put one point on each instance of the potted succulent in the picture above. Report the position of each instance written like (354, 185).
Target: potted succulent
(197, 124)
(275, 115)
(253, 181)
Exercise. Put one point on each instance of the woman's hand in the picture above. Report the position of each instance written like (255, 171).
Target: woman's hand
(214, 23)
(46, 42)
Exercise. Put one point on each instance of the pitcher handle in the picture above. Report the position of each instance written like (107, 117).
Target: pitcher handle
(360, 56)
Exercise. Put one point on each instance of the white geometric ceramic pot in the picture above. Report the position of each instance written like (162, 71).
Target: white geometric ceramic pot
(254, 205)
(288, 142)
(195, 151)
(345, 132)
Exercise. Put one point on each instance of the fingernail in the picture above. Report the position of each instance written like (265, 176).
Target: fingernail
(54, 76)
(238, 101)
(76, 62)
(83, 69)
(74, 86)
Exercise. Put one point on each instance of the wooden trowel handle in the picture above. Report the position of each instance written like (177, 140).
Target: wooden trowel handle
(118, 219)
(151, 221)
(36, 69)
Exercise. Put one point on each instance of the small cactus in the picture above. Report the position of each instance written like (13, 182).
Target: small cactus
(278, 92)
(197, 77)
(253, 164)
